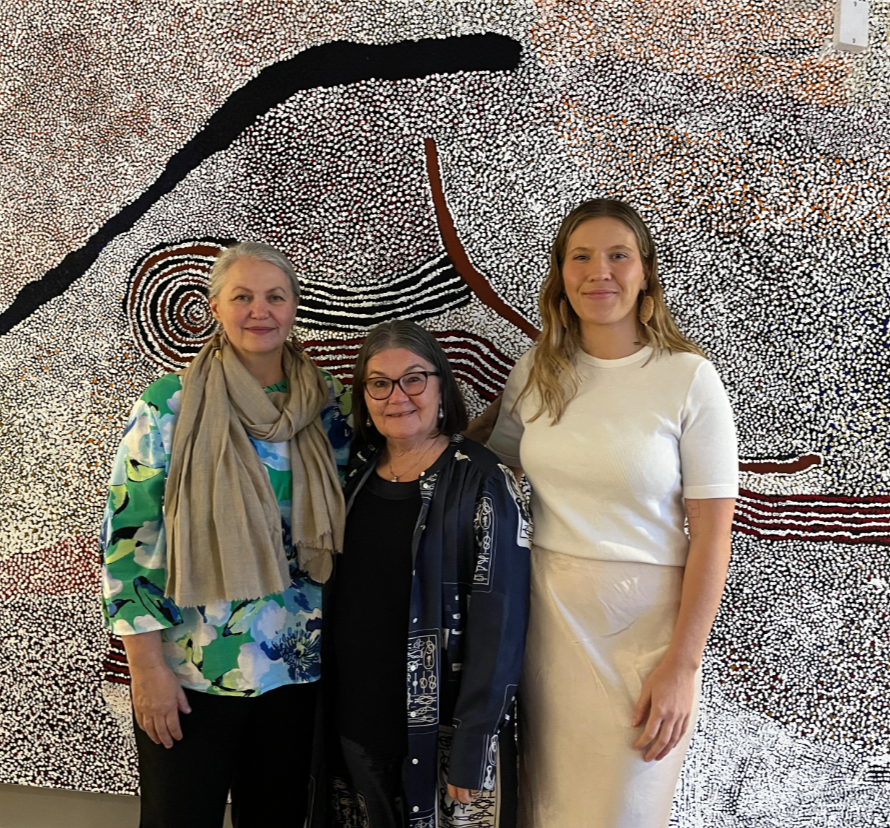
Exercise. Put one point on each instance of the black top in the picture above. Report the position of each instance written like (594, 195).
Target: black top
(368, 617)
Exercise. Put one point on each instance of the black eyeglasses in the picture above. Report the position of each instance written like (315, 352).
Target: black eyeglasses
(412, 383)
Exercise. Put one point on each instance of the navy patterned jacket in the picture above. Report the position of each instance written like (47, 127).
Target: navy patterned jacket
(467, 625)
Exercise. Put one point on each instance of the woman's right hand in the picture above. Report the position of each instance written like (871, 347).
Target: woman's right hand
(158, 698)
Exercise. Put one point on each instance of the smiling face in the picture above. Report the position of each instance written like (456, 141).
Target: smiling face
(401, 417)
(603, 275)
(256, 308)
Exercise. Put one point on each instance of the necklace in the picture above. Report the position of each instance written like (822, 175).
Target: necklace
(394, 478)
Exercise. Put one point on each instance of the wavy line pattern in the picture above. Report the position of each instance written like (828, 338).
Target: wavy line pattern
(115, 667)
(170, 318)
(427, 291)
(814, 517)
(474, 359)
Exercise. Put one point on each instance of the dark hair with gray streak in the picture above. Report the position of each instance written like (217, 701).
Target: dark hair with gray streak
(400, 333)
(250, 250)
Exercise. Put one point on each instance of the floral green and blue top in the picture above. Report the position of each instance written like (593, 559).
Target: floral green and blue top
(239, 648)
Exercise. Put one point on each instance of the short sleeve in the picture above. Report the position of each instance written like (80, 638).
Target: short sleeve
(508, 430)
(709, 460)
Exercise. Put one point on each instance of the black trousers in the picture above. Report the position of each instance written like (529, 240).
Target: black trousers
(257, 748)
(364, 789)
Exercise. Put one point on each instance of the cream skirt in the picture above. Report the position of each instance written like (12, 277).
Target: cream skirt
(596, 631)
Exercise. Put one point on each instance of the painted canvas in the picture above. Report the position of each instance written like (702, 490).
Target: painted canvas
(414, 160)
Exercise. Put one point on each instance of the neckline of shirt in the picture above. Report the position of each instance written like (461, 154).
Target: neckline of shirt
(392, 490)
(596, 362)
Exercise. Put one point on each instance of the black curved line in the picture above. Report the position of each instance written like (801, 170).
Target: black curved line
(331, 64)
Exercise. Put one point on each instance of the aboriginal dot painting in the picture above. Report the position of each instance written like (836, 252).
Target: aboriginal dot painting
(414, 159)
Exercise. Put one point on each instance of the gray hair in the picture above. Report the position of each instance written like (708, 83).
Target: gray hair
(250, 250)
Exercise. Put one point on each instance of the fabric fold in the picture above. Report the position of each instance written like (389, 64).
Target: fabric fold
(224, 538)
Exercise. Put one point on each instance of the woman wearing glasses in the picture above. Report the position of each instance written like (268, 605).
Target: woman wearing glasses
(435, 567)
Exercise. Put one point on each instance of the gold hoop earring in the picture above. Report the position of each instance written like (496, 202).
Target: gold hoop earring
(647, 308)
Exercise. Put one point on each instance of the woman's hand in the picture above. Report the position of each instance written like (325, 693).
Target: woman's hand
(665, 706)
(157, 695)
(668, 694)
(463, 795)
(157, 700)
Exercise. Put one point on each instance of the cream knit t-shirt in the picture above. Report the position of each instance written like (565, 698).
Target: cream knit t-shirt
(608, 481)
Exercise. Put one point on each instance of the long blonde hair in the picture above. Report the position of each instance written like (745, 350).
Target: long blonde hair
(553, 375)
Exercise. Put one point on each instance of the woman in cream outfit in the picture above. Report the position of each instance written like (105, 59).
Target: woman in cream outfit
(626, 435)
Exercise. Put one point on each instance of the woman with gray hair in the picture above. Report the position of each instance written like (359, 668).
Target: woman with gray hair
(224, 513)
(430, 597)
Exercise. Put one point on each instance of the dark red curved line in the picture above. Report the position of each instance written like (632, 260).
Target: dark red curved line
(486, 343)
(805, 461)
(115, 666)
(480, 348)
(469, 355)
(485, 393)
(117, 658)
(157, 258)
(476, 370)
(476, 281)
(806, 523)
(803, 499)
(831, 504)
(807, 526)
(478, 351)
(473, 375)
(773, 508)
(880, 541)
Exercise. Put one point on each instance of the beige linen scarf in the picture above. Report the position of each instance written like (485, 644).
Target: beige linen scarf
(223, 522)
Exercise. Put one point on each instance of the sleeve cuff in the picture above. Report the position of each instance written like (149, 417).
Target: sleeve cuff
(473, 760)
(142, 624)
(708, 492)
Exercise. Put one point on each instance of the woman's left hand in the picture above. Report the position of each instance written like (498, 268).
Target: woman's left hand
(665, 706)
(463, 795)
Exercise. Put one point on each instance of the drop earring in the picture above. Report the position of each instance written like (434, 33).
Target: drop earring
(647, 308)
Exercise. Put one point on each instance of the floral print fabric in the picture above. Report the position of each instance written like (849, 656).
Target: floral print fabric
(239, 648)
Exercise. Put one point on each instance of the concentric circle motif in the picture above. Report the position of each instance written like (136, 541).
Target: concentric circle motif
(167, 301)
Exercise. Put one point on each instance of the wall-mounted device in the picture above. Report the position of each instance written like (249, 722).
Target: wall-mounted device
(851, 25)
